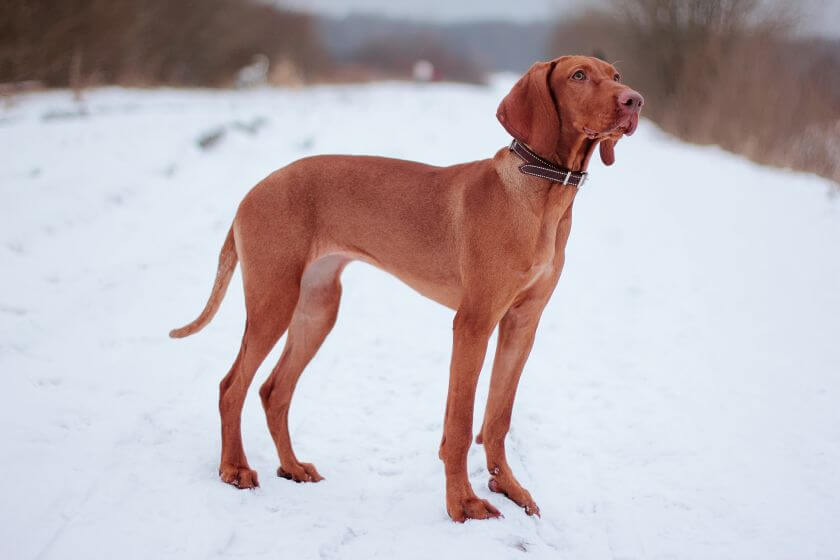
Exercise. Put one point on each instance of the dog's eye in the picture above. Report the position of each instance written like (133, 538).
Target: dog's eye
(617, 77)
(579, 76)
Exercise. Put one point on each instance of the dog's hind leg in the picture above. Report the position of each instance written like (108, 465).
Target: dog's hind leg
(312, 321)
(270, 300)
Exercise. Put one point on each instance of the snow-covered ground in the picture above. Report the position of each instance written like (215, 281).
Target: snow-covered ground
(682, 400)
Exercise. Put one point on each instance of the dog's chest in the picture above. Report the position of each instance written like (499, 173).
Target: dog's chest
(550, 243)
(544, 263)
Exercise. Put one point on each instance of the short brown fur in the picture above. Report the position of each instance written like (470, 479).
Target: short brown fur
(480, 238)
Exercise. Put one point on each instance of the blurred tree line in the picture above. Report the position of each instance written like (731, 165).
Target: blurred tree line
(149, 42)
(82, 43)
(726, 72)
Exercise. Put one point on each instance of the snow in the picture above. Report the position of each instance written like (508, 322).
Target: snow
(681, 400)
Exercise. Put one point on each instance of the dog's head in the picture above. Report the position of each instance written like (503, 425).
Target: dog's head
(568, 97)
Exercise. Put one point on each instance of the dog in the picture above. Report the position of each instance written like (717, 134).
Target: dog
(486, 239)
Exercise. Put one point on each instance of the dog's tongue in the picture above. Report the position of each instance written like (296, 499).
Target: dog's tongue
(634, 122)
(607, 151)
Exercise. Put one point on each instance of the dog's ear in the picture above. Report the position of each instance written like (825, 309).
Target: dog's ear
(528, 112)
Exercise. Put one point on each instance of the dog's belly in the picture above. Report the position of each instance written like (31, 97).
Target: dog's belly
(441, 288)
(446, 294)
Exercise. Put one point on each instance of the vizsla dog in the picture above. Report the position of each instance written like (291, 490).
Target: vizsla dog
(486, 239)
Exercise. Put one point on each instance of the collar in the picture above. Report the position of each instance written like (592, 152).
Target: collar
(538, 167)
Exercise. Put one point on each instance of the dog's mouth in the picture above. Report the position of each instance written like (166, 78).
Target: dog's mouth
(625, 125)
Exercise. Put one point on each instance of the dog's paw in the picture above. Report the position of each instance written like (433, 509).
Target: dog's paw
(470, 507)
(300, 472)
(240, 477)
(508, 486)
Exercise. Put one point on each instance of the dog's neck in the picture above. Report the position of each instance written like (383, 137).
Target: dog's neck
(573, 151)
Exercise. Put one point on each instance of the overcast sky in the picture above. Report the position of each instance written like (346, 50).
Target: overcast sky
(823, 16)
(441, 10)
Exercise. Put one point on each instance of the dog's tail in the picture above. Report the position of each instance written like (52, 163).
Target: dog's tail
(227, 263)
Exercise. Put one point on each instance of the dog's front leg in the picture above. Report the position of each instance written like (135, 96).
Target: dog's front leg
(516, 337)
(471, 333)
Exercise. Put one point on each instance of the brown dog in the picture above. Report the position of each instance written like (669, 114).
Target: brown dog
(485, 238)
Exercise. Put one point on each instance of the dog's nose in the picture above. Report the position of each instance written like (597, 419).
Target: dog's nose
(630, 101)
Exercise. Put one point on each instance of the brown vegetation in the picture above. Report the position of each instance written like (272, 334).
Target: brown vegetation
(724, 73)
(149, 42)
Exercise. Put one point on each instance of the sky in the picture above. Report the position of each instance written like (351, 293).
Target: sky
(821, 16)
(442, 10)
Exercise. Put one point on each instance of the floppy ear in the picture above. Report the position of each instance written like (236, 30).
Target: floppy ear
(528, 112)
